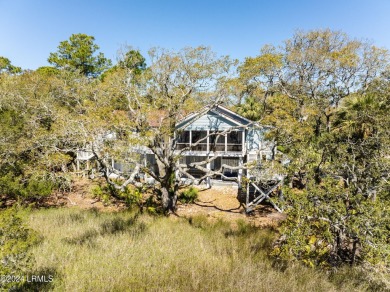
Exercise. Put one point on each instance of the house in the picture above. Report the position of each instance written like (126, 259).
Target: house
(226, 137)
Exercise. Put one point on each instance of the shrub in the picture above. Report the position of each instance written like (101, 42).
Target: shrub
(39, 187)
(131, 196)
(101, 193)
(189, 195)
(27, 187)
(15, 242)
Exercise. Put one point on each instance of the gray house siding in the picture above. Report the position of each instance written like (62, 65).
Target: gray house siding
(210, 121)
(243, 141)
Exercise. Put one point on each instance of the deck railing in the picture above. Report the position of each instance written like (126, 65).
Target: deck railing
(212, 147)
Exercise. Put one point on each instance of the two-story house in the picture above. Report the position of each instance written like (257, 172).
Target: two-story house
(227, 137)
(219, 135)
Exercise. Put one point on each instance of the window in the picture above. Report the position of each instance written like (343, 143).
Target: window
(217, 141)
(199, 136)
(183, 140)
(184, 137)
(234, 137)
(234, 141)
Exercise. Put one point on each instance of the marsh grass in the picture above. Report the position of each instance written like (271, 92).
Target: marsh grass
(93, 251)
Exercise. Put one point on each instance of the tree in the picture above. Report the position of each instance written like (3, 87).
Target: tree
(6, 66)
(342, 215)
(48, 71)
(134, 61)
(78, 54)
(321, 94)
(15, 241)
(38, 112)
(174, 85)
(250, 109)
(130, 61)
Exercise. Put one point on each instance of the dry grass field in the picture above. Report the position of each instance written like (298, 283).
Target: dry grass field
(90, 250)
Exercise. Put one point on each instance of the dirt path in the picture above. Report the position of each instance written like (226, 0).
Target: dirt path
(220, 202)
(81, 196)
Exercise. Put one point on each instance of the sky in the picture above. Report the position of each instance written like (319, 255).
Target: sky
(30, 30)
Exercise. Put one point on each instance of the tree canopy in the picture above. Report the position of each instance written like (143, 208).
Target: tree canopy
(323, 93)
(6, 66)
(80, 53)
(155, 99)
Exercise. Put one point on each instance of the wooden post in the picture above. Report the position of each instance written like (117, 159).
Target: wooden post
(240, 162)
(208, 166)
(226, 142)
(243, 142)
(146, 165)
(208, 141)
(247, 195)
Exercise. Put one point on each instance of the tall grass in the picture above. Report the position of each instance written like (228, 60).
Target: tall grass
(93, 251)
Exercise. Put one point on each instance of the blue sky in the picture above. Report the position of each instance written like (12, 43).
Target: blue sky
(30, 30)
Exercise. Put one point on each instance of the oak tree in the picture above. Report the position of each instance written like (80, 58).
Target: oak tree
(157, 98)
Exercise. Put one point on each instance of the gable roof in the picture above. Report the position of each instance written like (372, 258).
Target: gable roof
(232, 115)
(219, 110)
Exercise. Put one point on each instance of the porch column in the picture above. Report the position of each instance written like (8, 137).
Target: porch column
(145, 164)
(208, 180)
(226, 134)
(240, 163)
(208, 141)
(243, 142)
(77, 166)
(190, 138)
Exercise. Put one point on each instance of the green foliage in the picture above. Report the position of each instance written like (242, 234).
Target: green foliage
(78, 54)
(15, 243)
(133, 64)
(250, 109)
(39, 187)
(327, 98)
(6, 66)
(130, 195)
(23, 188)
(338, 212)
(33, 187)
(134, 61)
(101, 193)
(48, 71)
(189, 195)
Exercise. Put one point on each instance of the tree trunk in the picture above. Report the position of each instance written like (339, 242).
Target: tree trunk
(354, 249)
(169, 199)
(317, 129)
(328, 124)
